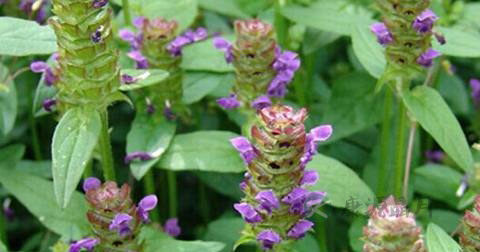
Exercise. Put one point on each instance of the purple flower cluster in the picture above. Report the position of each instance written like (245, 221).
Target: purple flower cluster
(174, 47)
(229, 102)
(286, 64)
(121, 224)
(245, 148)
(187, 38)
(423, 24)
(225, 46)
(147, 204)
(143, 156)
(316, 135)
(86, 243)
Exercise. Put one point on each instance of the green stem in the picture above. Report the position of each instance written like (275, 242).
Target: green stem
(400, 149)
(321, 230)
(3, 232)
(172, 193)
(149, 186)
(385, 143)
(408, 162)
(88, 172)
(204, 203)
(281, 25)
(126, 12)
(106, 149)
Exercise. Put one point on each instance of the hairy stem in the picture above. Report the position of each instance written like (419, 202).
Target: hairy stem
(408, 162)
(385, 143)
(400, 149)
(172, 193)
(106, 149)
(126, 12)
(149, 186)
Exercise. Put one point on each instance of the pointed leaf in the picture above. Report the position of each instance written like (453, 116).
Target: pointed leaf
(202, 150)
(341, 184)
(368, 51)
(199, 84)
(19, 37)
(203, 56)
(74, 140)
(148, 134)
(37, 195)
(460, 43)
(434, 115)
(439, 241)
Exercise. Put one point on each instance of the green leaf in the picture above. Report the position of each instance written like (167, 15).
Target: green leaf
(229, 8)
(428, 177)
(43, 92)
(144, 78)
(454, 90)
(203, 56)
(38, 168)
(459, 43)
(182, 11)
(8, 101)
(225, 230)
(341, 184)
(368, 51)
(11, 155)
(37, 195)
(73, 142)
(434, 115)
(439, 241)
(202, 150)
(354, 105)
(325, 15)
(3, 248)
(148, 134)
(199, 84)
(224, 183)
(447, 220)
(156, 241)
(19, 37)
(307, 244)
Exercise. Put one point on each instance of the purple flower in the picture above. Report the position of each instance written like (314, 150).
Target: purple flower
(268, 238)
(475, 86)
(143, 156)
(384, 37)
(229, 102)
(91, 183)
(197, 35)
(128, 79)
(96, 37)
(175, 47)
(42, 67)
(434, 156)
(126, 35)
(121, 224)
(314, 198)
(261, 102)
(268, 201)
(249, 214)
(150, 107)
(139, 21)
(148, 203)
(172, 228)
(426, 59)
(99, 3)
(278, 86)
(86, 243)
(245, 148)
(168, 112)
(300, 229)
(440, 38)
(142, 62)
(424, 22)
(301, 200)
(47, 104)
(309, 178)
(225, 46)
(7, 210)
(287, 63)
(316, 135)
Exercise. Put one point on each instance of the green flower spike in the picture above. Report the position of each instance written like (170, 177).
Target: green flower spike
(470, 233)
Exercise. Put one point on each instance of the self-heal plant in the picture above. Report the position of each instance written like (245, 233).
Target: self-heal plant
(470, 229)
(156, 45)
(392, 228)
(115, 220)
(262, 70)
(277, 200)
(406, 32)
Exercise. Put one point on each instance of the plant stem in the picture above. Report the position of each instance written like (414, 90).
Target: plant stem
(204, 203)
(400, 149)
(126, 12)
(385, 143)
(106, 149)
(3, 232)
(37, 151)
(88, 172)
(149, 186)
(320, 229)
(172, 193)
(408, 162)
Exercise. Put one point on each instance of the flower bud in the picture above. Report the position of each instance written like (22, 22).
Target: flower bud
(470, 233)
